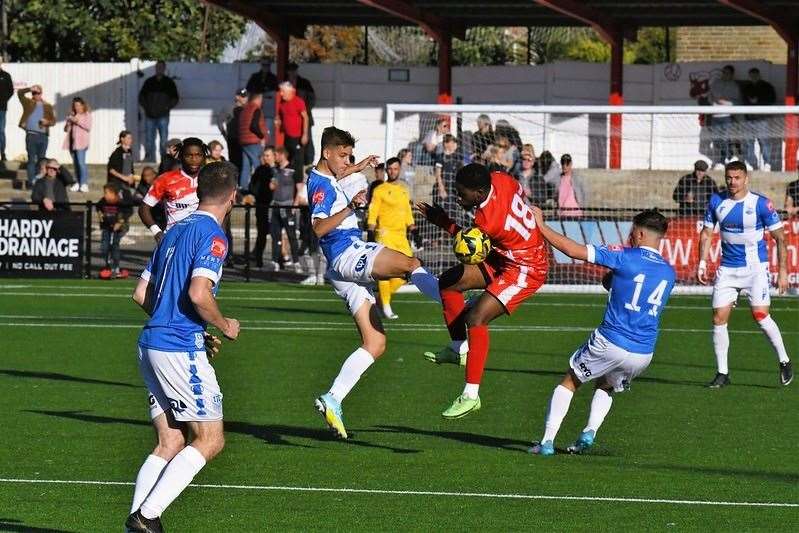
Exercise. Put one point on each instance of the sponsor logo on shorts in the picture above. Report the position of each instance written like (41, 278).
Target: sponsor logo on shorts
(361, 264)
(217, 399)
(151, 400)
(177, 405)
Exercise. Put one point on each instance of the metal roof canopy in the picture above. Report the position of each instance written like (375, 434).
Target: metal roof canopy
(613, 20)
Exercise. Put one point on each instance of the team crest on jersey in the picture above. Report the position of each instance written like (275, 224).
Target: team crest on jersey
(318, 197)
(770, 206)
(218, 247)
(615, 247)
(199, 340)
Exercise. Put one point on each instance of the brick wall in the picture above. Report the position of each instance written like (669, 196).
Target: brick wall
(721, 43)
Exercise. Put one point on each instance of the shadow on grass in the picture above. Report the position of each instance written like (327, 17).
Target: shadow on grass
(63, 377)
(489, 441)
(10, 524)
(274, 434)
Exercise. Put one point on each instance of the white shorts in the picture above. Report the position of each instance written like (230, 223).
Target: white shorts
(601, 358)
(754, 281)
(353, 293)
(184, 382)
(356, 262)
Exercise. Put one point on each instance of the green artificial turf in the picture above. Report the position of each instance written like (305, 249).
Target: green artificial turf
(74, 409)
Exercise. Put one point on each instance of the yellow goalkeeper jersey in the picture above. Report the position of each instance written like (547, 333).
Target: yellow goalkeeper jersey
(390, 209)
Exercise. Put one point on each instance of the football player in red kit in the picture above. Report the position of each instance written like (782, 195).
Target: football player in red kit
(513, 271)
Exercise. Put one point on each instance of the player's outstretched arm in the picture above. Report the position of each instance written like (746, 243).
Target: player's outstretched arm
(435, 214)
(204, 302)
(782, 260)
(369, 161)
(569, 247)
(142, 295)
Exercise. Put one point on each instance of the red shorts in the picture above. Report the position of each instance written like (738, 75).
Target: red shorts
(509, 282)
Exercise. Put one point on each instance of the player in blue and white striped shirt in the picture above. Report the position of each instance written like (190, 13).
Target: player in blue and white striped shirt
(743, 218)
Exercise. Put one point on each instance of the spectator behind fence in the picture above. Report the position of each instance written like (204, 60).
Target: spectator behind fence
(407, 170)
(115, 211)
(569, 190)
(37, 117)
(120, 163)
(170, 160)
(483, 137)
(758, 92)
(253, 136)
(724, 91)
(260, 195)
(6, 92)
(284, 189)
(229, 127)
(305, 91)
(694, 190)
(214, 152)
(310, 258)
(78, 126)
(509, 156)
(504, 129)
(148, 176)
(494, 159)
(535, 188)
(49, 192)
(293, 120)
(432, 142)
(157, 97)
(792, 198)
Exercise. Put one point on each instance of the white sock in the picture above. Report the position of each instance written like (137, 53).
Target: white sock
(772, 331)
(351, 371)
(427, 283)
(176, 477)
(558, 407)
(471, 390)
(148, 475)
(387, 310)
(721, 343)
(460, 347)
(600, 407)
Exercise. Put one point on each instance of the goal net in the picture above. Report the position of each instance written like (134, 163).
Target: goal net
(624, 159)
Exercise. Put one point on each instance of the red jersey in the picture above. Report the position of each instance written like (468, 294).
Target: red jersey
(291, 116)
(508, 221)
(178, 191)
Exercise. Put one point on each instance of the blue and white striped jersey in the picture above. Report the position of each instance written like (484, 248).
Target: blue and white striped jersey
(328, 198)
(742, 224)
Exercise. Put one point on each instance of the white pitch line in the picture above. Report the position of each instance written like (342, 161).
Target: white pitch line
(492, 495)
(288, 325)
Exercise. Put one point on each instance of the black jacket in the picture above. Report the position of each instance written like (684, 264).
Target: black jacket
(308, 95)
(702, 191)
(59, 198)
(6, 89)
(158, 97)
(259, 185)
(260, 82)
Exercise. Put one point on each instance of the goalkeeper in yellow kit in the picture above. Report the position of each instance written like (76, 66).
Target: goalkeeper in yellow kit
(390, 218)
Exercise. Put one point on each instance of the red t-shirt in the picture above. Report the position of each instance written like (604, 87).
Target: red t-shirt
(291, 116)
(508, 221)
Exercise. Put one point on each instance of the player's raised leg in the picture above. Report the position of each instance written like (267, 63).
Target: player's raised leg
(393, 264)
(373, 344)
(452, 285)
(772, 332)
(487, 308)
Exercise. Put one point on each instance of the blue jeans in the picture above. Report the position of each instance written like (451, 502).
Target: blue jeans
(758, 130)
(79, 162)
(249, 162)
(3, 133)
(109, 247)
(36, 146)
(150, 126)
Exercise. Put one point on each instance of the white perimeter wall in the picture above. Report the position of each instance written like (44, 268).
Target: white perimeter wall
(352, 97)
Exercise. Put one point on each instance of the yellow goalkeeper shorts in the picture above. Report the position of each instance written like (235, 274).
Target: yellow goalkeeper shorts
(396, 240)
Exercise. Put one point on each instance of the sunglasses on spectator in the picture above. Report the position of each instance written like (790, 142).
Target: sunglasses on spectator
(53, 168)
(36, 93)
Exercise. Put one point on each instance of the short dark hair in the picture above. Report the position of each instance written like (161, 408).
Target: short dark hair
(332, 137)
(729, 67)
(216, 180)
(754, 69)
(653, 220)
(449, 138)
(268, 147)
(735, 165)
(111, 187)
(192, 141)
(282, 150)
(474, 176)
(391, 160)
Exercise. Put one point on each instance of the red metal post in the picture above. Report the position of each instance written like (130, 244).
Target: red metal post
(616, 98)
(791, 94)
(445, 67)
